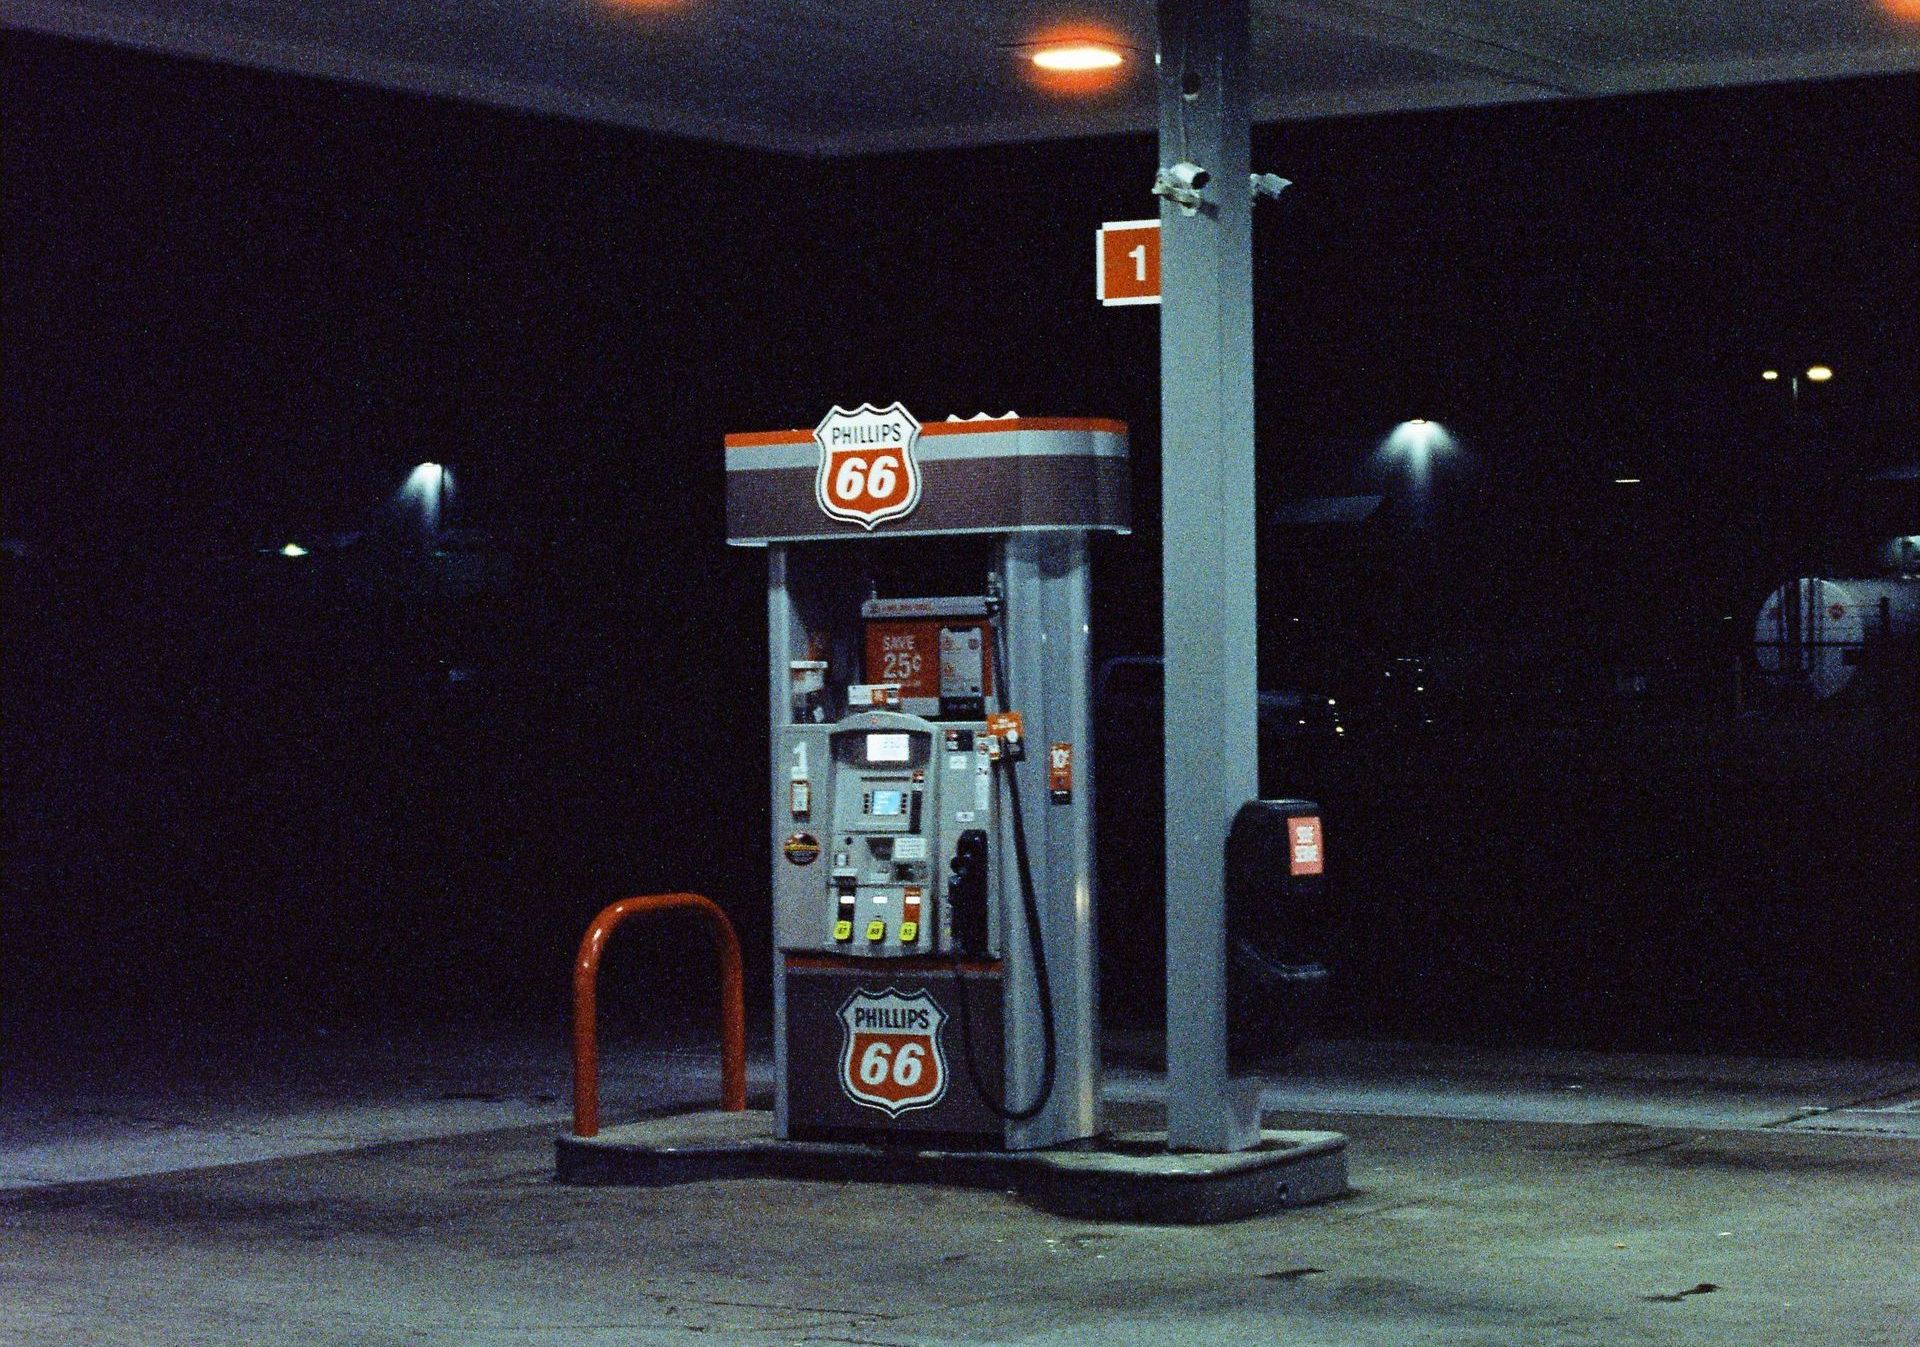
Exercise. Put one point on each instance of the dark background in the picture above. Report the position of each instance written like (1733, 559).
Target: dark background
(390, 781)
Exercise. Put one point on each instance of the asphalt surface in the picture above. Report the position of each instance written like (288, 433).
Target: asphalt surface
(1457, 1232)
(402, 1192)
(71, 1112)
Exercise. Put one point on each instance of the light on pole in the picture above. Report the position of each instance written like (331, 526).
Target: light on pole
(427, 492)
(1417, 443)
(1788, 614)
(1815, 374)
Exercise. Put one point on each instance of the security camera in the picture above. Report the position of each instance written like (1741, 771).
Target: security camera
(1182, 184)
(1184, 174)
(1270, 185)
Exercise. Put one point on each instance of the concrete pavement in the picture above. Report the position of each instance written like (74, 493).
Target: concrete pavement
(70, 1116)
(1458, 1232)
(389, 1192)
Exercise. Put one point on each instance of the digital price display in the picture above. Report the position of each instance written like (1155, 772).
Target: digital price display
(884, 748)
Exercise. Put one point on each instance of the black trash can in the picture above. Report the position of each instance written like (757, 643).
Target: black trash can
(1278, 923)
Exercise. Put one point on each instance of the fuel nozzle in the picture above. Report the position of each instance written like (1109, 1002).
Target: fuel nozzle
(967, 892)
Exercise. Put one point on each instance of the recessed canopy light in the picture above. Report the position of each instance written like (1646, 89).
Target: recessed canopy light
(1077, 57)
(1769, 374)
(1626, 481)
(293, 550)
(1819, 374)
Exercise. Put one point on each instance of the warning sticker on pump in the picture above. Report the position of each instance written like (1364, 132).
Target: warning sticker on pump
(801, 848)
(1060, 774)
(891, 1056)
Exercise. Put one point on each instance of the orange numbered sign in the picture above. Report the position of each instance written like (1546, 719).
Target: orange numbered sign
(1127, 262)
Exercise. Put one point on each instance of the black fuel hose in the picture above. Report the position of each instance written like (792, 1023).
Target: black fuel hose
(1036, 943)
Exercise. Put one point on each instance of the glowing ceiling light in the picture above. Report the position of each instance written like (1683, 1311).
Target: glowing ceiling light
(1626, 481)
(1077, 57)
(293, 550)
(1769, 374)
(1819, 374)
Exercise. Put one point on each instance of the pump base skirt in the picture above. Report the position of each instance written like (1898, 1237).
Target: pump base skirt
(1126, 1177)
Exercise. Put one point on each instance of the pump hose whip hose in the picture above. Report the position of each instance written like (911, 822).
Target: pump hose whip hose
(1036, 943)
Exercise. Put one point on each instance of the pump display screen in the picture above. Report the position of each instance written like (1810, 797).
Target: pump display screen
(889, 803)
(887, 748)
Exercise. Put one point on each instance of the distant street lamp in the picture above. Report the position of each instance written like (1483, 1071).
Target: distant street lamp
(1784, 544)
(1417, 443)
(428, 489)
(1816, 374)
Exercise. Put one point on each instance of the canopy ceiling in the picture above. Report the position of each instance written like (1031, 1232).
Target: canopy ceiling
(854, 76)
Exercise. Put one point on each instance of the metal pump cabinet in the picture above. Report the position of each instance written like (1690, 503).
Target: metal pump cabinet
(921, 582)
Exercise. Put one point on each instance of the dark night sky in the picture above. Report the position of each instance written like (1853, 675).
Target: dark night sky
(238, 307)
(235, 300)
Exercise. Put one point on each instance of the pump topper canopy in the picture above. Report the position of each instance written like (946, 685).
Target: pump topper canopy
(878, 470)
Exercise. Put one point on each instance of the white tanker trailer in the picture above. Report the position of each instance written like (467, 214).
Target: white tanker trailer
(1820, 632)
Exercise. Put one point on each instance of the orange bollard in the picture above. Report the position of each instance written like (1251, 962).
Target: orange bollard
(586, 976)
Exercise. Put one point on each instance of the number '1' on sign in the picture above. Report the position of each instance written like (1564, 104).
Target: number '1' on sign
(1127, 262)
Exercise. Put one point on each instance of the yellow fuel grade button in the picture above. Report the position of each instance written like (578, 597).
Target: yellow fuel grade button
(843, 930)
(876, 930)
(909, 932)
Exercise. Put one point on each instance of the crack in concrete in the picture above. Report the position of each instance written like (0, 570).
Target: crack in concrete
(1675, 1297)
(844, 1311)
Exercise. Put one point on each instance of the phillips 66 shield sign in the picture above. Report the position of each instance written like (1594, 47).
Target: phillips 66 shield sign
(867, 469)
(890, 1053)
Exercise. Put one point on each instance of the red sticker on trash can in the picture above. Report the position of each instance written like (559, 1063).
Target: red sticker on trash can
(1303, 839)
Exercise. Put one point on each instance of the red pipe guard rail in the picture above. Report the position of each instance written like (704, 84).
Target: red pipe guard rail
(586, 975)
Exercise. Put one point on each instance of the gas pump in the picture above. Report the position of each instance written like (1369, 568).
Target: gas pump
(933, 888)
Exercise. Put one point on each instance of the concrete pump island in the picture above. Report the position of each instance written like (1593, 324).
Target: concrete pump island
(936, 1015)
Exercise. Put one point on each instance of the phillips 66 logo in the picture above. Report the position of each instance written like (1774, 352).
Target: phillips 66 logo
(867, 470)
(890, 1053)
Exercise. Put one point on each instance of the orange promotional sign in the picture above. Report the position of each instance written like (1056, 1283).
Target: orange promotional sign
(929, 656)
(1005, 725)
(1060, 774)
(1127, 262)
(907, 653)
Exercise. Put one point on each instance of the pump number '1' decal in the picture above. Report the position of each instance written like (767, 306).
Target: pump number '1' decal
(868, 472)
(891, 1056)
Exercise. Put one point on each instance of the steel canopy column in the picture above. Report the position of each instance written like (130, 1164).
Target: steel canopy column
(1206, 400)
